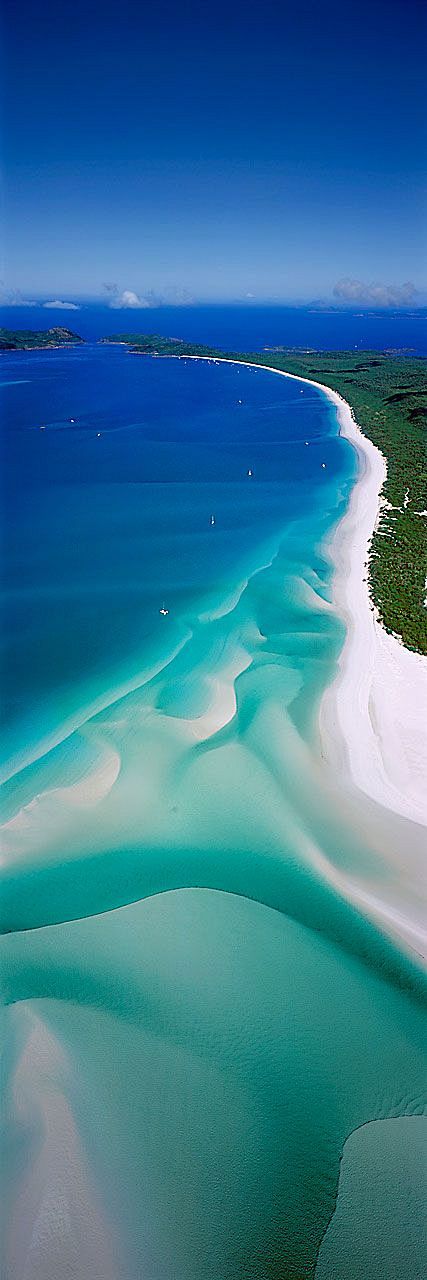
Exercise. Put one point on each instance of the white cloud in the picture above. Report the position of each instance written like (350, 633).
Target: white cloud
(13, 298)
(61, 306)
(375, 294)
(125, 301)
(129, 300)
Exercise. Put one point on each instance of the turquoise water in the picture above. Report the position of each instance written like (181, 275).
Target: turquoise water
(198, 1018)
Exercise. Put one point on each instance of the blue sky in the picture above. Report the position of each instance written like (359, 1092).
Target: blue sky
(175, 150)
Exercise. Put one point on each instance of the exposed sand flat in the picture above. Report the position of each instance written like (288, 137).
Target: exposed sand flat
(380, 1169)
(57, 1227)
(374, 717)
(199, 897)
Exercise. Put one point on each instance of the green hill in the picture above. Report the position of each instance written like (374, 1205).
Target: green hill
(35, 339)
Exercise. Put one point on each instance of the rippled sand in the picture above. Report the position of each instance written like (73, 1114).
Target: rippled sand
(201, 1010)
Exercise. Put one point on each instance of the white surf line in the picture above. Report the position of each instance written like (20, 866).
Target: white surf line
(376, 705)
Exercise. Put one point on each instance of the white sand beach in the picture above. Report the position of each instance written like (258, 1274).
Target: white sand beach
(371, 745)
(379, 701)
(373, 718)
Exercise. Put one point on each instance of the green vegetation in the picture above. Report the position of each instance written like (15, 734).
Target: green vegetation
(152, 344)
(36, 339)
(388, 395)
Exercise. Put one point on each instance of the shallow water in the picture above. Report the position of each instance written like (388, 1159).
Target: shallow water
(197, 1010)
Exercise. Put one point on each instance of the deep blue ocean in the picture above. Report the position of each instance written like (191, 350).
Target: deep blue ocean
(113, 467)
(243, 328)
(209, 1040)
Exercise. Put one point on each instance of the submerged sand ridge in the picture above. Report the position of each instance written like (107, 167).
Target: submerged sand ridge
(380, 694)
(154, 808)
(216, 924)
(245, 1072)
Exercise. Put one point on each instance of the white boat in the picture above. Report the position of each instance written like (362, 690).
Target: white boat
(212, 520)
(164, 612)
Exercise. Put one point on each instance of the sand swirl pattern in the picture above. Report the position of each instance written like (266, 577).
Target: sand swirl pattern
(203, 1004)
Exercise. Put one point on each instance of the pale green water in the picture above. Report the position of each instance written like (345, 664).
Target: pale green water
(379, 1224)
(198, 1017)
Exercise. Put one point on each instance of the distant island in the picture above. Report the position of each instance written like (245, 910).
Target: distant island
(37, 339)
(152, 344)
(388, 396)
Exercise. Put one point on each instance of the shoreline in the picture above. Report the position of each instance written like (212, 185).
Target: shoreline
(371, 717)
